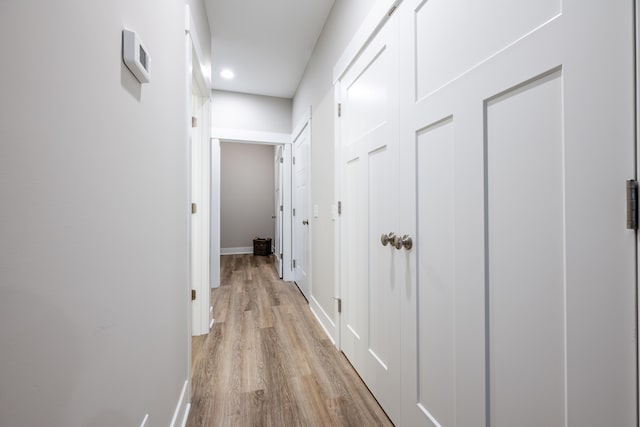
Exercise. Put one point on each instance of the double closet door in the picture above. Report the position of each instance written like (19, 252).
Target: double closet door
(496, 137)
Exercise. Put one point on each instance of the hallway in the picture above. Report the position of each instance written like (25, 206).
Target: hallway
(266, 361)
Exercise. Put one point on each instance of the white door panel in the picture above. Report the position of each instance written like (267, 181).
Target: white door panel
(526, 299)
(517, 300)
(369, 165)
(436, 299)
(301, 203)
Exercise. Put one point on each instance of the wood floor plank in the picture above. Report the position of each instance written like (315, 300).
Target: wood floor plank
(267, 362)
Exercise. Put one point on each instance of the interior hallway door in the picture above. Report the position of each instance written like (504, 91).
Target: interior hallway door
(370, 319)
(278, 208)
(301, 202)
(518, 296)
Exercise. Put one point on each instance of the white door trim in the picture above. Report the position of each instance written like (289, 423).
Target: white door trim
(199, 255)
(251, 137)
(637, 173)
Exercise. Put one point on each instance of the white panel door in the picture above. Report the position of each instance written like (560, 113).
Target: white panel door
(370, 318)
(301, 202)
(278, 209)
(517, 136)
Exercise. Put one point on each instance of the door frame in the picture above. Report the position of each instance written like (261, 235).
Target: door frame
(637, 174)
(250, 137)
(201, 75)
(278, 163)
(201, 315)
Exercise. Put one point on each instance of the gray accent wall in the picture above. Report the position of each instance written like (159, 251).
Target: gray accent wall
(246, 194)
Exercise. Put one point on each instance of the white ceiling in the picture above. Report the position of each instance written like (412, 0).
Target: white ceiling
(267, 43)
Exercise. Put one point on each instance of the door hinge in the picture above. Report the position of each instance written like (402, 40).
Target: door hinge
(294, 160)
(339, 110)
(293, 262)
(281, 255)
(632, 204)
(393, 9)
(294, 211)
(281, 159)
(339, 304)
(281, 208)
(193, 294)
(339, 208)
(194, 122)
(194, 208)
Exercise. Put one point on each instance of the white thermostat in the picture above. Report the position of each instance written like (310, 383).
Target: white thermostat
(135, 55)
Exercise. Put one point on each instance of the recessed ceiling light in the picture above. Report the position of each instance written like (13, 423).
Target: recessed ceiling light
(227, 73)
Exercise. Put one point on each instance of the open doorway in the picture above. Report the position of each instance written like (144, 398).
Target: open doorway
(247, 198)
(278, 148)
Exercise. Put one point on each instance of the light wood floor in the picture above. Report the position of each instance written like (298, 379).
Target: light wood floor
(266, 362)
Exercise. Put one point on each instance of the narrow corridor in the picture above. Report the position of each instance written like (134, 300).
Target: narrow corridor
(266, 361)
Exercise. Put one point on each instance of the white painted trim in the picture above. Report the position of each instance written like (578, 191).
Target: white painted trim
(188, 64)
(187, 19)
(304, 121)
(144, 421)
(269, 138)
(369, 27)
(186, 415)
(214, 212)
(250, 136)
(182, 407)
(338, 221)
(198, 74)
(637, 171)
(287, 220)
(327, 324)
(236, 251)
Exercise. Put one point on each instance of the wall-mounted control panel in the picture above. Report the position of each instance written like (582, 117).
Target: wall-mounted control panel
(136, 56)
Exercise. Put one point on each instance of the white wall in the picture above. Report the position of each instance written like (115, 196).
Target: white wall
(232, 110)
(93, 215)
(316, 90)
(246, 194)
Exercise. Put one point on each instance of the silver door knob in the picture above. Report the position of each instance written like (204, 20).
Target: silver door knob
(405, 241)
(385, 239)
(396, 242)
(305, 222)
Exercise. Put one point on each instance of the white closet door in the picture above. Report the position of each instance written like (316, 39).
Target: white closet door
(301, 202)
(370, 318)
(517, 136)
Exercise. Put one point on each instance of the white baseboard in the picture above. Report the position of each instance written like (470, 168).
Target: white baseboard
(182, 408)
(186, 415)
(323, 319)
(236, 251)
